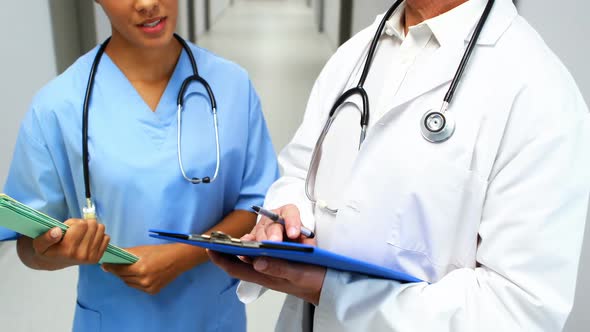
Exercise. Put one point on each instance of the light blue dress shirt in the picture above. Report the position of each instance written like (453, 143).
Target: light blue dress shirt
(137, 185)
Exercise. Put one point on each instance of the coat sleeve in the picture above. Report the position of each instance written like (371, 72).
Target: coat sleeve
(294, 161)
(295, 158)
(33, 178)
(529, 246)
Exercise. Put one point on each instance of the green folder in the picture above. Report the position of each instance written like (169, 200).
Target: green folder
(32, 223)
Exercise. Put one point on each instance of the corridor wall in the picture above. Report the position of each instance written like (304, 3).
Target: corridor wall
(27, 62)
(563, 34)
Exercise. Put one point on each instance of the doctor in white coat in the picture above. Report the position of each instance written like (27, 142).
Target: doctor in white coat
(491, 218)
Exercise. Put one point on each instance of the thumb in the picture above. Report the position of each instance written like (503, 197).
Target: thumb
(43, 242)
(292, 217)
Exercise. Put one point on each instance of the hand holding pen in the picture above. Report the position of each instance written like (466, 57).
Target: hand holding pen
(278, 219)
(301, 280)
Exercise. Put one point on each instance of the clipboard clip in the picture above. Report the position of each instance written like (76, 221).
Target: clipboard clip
(221, 237)
(218, 237)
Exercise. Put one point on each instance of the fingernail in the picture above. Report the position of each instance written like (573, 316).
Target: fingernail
(102, 268)
(261, 264)
(275, 238)
(55, 233)
(292, 231)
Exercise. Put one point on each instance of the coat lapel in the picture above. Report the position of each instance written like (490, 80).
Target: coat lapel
(440, 67)
(429, 74)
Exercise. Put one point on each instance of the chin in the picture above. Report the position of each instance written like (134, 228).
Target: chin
(156, 43)
(162, 41)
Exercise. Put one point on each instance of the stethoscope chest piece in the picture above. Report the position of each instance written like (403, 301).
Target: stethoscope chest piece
(437, 126)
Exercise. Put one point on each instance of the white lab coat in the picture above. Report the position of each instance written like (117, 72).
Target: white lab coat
(493, 218)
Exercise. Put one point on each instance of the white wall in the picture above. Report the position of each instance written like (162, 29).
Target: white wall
(332, 21)
(200, 16)
(564, 25)
(217, 8)
(27, 62)
(25, 66)
(182, 23)
(364, 12)
(317, 11)
(103, 25)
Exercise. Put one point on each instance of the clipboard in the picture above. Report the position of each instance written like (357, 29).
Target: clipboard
(295, 252)
(27, 221)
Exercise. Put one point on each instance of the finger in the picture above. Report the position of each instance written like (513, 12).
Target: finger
(279, 268)
(98, 241)
(103, 246)
(260, 234)
(137, 286)
(76, 232)
(308, 241)
(71, 222)
(88, 239)
(290, 213)
(255, 228)
(248, 237)
(152, 290)
(275, 232)
(98, 236)
(245, 259)
(120, 270)
(239, 270)
(302, 280)
(43, 242)
(137, 281)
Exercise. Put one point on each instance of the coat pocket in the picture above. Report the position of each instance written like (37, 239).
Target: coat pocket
(439, 215)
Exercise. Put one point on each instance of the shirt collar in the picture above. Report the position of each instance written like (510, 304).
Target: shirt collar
(394, 26)
(450, 27)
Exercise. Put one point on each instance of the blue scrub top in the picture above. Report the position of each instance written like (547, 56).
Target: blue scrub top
(137, 185)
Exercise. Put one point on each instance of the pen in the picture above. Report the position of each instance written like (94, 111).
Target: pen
(276, 218)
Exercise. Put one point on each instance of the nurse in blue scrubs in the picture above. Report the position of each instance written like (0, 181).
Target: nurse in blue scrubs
(135, 176)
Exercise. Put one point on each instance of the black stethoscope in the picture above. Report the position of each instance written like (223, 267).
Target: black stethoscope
(89, 210)
(436, 126)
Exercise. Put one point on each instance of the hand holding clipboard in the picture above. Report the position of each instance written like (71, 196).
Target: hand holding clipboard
(295, 268)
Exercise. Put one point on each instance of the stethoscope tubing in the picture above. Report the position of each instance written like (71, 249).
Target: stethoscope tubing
(470, 47)
(180, 102)
(436, 136)
(86, 107)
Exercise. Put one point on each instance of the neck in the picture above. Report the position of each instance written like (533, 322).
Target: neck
(418, 11)
(144, 64)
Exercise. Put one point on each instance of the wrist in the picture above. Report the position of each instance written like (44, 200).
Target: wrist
(187, 256)
(44, 263)
(28, 255)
